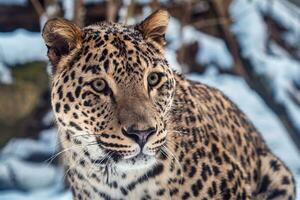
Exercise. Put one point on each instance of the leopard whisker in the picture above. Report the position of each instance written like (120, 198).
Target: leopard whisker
(174, 157)
(81, 135)
(106, 168)
(50, 160)
(75, 164)
(94, 164)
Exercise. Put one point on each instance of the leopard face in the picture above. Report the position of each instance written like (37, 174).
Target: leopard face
(112, 88)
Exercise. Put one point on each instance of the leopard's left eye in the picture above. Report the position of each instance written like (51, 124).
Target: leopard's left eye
(99, 85)
(154, 79)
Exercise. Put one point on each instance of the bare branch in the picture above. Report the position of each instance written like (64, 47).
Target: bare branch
(112, 10)
(79, 13)
(38, 7)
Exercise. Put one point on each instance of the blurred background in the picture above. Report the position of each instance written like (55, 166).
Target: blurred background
(249, 49)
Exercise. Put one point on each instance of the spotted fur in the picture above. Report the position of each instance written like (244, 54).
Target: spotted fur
(201, 145)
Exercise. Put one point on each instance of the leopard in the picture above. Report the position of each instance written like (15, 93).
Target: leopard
(130, 127)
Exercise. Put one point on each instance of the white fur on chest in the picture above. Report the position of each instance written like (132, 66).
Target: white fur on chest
(117, 185)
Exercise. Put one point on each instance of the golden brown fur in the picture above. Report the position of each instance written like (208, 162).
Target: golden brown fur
(131, 128)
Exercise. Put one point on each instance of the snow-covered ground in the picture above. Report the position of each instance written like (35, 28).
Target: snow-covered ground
(27, 173)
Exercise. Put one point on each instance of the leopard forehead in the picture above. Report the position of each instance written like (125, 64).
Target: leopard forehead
(118, 51)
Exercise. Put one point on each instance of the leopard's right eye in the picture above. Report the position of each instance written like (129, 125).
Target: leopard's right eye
(154, 79)
(99, 85)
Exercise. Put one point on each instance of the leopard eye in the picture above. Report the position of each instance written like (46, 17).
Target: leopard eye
(99, 85)
(153, 79)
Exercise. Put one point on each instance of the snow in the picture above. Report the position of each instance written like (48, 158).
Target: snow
(5, 75)
(44, 195)
(277, 50)
(68, 6)
(24, 178)
(48, 119)
(19, 47)
(171, 58)
(123, 11)
(44, 176)
(212, 50)
(22, 148)
(284, 13)
(280, 71)
(14, 2)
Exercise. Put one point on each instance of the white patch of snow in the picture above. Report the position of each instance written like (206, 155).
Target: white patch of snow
(48, 118)
(21, 179)
(5, 75)
(46, 194)
(21, 46)
(278, 50)
(14, 2)
(68, 6)
(43, 20)
(123, 12)
(171, 58)
(211, 49)
(173, 34)
(52, 9)
(248, 26)
(33, 176)
(284, 13)
(21, 148)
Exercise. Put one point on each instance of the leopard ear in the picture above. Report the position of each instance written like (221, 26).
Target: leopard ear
(61, 37)
(155, 26)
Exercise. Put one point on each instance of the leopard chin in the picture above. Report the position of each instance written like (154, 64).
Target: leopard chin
(141, 161)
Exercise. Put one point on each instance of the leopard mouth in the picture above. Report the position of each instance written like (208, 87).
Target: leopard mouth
(138, 162)
(138, 152)
(114, 159)
(117, 157)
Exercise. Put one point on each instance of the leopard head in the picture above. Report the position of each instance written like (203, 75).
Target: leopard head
(112, 88)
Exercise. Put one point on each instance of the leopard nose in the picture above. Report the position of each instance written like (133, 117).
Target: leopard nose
(139, 136)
